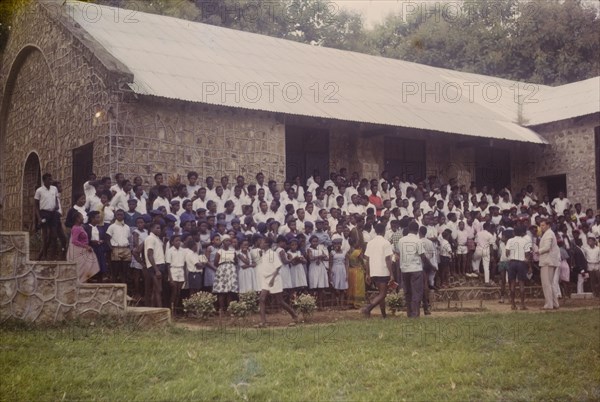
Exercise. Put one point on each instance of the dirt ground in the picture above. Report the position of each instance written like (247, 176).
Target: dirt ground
(331, 316)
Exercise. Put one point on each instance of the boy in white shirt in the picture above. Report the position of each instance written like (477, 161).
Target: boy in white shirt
(378, 264)
(118, 238)
(175, 258)
(155, 273)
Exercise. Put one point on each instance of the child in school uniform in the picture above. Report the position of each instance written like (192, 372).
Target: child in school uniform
(269, 280)
(297, 266)
(246, 269)
(286, 276)
(462, 236)
(138, 235)
(175, 258)
(318, 277)
(338, 267)
(210, 269)
(194, 266)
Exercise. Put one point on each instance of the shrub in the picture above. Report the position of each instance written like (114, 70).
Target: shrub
(239, 309)
(395, 301)
(305, 304)
(201, 305)
(251, 299)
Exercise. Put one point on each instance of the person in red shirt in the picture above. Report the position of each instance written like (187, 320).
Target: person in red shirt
(376, 200)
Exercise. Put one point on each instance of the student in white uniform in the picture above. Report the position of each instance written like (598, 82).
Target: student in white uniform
(269, 281)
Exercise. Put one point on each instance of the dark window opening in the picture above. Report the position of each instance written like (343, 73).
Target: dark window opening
(83, 164)
(307, 152)
(404, 157)
(492, 168)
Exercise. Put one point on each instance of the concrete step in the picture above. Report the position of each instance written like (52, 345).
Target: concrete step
(582, 296)
(95, 299)
(480, 293)
(149, 317)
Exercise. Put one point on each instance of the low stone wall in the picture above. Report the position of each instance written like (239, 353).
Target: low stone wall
(101, 299)
(47, 292)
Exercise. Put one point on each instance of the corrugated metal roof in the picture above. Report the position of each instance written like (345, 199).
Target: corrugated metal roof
(196, 62)
(564, 102)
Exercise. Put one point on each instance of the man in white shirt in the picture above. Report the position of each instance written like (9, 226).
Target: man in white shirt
(239, 200)
(118, 238)
(560, 204)
(155, 275)
(378, 262)
(46, 211)
(592, 256)
(118, 186)
(484, 240)
(88, 188)
(121, 196)
(411, 254)
(518, 251)
(162, 199)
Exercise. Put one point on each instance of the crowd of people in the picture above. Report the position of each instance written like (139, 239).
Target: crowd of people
(342, 234)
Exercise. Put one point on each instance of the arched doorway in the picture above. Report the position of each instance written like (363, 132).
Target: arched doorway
(31, 181)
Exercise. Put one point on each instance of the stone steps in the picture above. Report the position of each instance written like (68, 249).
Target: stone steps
(148, 317)
(48, 292)
(111, 299)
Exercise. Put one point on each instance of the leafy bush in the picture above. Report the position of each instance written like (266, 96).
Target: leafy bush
(395, 301)
(251, 299)
(305, 304)
(201, 305)
(239, 309)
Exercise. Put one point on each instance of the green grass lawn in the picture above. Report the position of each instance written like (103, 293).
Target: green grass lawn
(535, 356)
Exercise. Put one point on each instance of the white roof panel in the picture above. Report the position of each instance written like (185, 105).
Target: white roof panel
(177, 59)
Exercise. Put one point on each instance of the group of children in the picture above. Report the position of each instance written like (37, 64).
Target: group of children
(186, 237)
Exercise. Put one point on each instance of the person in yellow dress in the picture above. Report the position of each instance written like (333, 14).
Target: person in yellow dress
(356, 276)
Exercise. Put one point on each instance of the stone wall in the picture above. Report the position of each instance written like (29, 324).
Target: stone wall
(47, 292)
(176, 137)
(571, 152)
(53, 80)
(446, 156)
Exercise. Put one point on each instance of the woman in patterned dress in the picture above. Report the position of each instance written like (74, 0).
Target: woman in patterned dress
(226, 280)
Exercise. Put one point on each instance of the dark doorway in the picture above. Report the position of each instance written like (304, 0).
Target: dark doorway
(492, 168)
(404, 157)
(32, 179)
(83, 164)
(597, 136)
(555, 185)
(306, 151)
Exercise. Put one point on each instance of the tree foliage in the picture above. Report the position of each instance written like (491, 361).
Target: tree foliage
(541, 41)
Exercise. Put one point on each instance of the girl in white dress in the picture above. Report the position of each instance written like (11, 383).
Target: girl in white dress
(246, 271)
(269, 280)
(297, 267)
(318, 279)
(338, 267)
(286, 276)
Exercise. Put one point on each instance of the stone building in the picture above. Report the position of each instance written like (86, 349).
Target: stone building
(89, 88)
